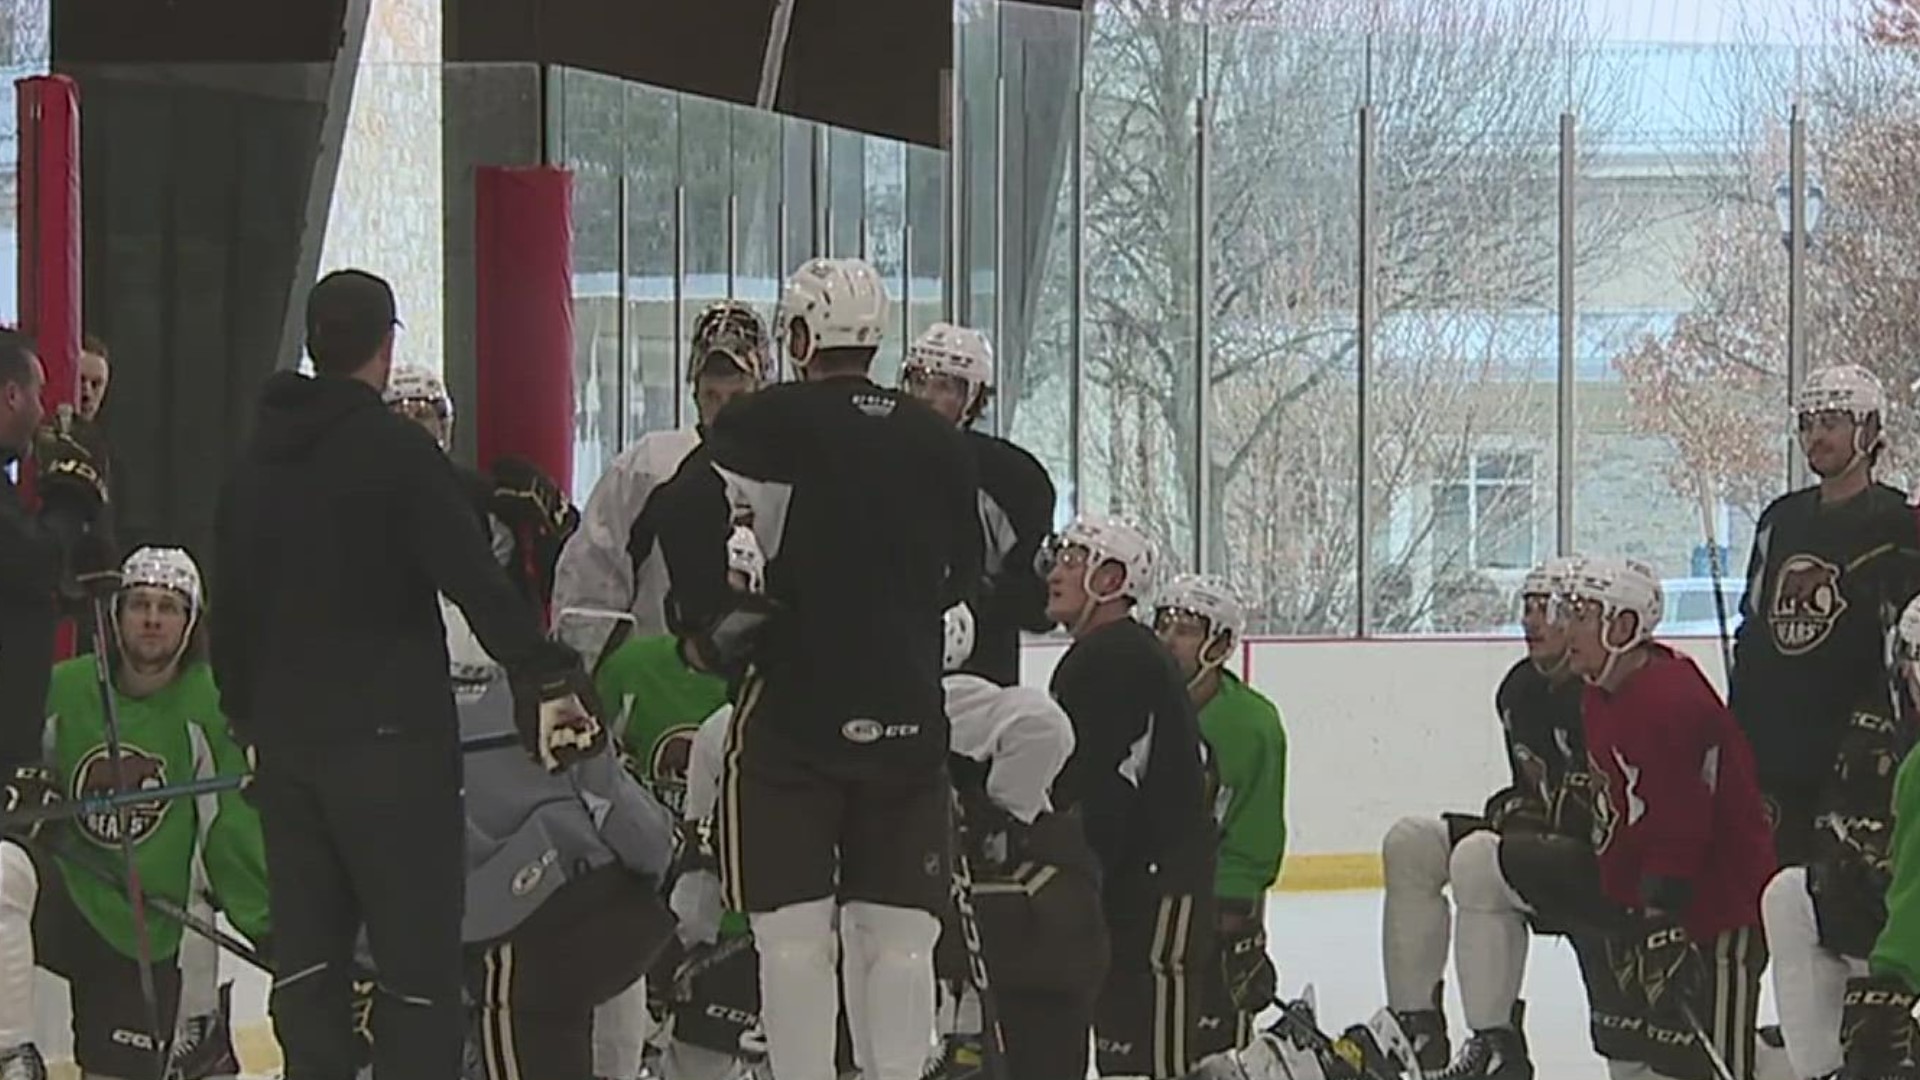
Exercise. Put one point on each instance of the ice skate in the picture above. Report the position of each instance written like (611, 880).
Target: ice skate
(1494, 1054)
(204, 1049)
(962, 1057)
(23, 1062)
(1426, 1029)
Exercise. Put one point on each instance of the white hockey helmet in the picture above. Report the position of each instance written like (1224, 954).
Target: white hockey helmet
(1112, 539)
(733, 329)
(1544, 580)
(1208, 597)
(164, 568)
(830, 304)
(959, 624)
(957, 352)
(745, 556)
(1614, 584)
(411, 384)
(1841, 388)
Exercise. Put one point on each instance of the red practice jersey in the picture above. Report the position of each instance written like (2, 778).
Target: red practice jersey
(1680, 798)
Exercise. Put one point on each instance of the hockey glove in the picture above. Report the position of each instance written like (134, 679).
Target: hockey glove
(726, 645)
(28, 787)
(1668, 968)
(72, 457)
(525, 496)
(1251, 980)
(1514, 811)
(557, 711)
(1878, 1029)
(1847, 880)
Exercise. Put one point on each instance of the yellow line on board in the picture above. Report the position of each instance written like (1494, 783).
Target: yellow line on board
(1327, 873)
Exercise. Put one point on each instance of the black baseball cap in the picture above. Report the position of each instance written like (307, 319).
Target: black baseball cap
(348, 312)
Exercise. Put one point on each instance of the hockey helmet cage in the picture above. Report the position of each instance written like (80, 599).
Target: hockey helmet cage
(735, 330)
(164, 568)
(744, 555)
(1208, 597)
(411, 384)
(957, 352)
(1545, 579)
(1114, 539)
(830, 304)
(1616, 585)
(1842, 388)
(958, 646)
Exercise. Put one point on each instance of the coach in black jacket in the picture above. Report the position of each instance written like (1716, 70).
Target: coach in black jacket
(336, 534)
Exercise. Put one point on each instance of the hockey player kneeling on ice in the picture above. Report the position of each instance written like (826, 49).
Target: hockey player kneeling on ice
(1539, 826)
(1822, 918)
(1878, 1013)
(563, 878)
(56, 907)
(1137, 781)
(1200, 620)
(1682, 839)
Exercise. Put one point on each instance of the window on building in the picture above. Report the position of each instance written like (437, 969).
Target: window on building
(1484, 519)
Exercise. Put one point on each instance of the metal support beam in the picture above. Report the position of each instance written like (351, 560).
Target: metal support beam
(1564, 422)
(1797, 274)
(1363, 426)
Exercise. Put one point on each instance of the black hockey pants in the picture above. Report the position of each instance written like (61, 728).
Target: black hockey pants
(370, 832)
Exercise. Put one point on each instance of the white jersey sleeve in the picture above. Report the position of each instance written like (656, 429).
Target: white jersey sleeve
(1020, 732)
(594, 571)
(703, 764)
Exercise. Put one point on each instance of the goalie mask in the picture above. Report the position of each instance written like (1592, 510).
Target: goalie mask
(1599, 590)
(419, 395)
(1843, 390)
(171, 569)
(958, 645)
(745, 558)
(1214, 605)
(957, 355)
(830, 304)
(734, 330)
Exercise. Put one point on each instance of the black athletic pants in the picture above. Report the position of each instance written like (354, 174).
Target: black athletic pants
(1046, 1033)
(370, 832)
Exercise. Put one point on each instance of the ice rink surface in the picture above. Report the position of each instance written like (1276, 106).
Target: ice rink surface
(1328, 939)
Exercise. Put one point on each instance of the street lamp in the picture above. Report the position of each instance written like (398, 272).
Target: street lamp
(1783, 206)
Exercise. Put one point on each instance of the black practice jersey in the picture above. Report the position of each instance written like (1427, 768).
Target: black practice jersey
(1136, 775)
(866, 506)
(1016, 511)
(1540, 720)
(1825, 585)
(31, 553)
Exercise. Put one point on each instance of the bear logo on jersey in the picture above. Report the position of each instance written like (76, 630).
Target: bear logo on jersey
(667, 771)
(1807, 602)
(93, 779)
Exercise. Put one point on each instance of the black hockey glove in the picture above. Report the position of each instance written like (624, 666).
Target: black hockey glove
(1251, 980)
(1668, 968)
(1514, 811)
(556, 709)
(1847, 880)
(1878, 1029)
(27, 787)
(538, 514)
(72, 457)
(726, 645)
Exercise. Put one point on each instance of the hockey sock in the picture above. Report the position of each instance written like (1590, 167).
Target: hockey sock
(620, 1029)
(1414, 927)
(889, 973)
(1809, 983)
(19, 886)
(1491, 957)
(798, 1005)
(199, 961)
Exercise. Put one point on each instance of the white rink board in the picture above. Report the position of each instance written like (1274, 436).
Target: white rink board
(1380, 728)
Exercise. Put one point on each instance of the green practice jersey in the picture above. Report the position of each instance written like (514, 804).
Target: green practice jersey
(170, 737)
(1897, 950)
(1249, 747)
(657, 703)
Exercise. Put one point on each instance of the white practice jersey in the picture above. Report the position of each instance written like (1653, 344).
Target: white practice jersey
(1019, 731)
(594, 571)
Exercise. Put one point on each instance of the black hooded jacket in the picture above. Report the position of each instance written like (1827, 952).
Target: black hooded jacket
(336, 532)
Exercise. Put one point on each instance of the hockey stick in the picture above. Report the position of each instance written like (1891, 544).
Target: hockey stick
(992, 1041)
(116, 761)
(1713, 1052)
(167, 909)
(100, 804)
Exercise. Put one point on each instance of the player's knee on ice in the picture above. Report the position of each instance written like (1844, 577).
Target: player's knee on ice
(1415, 853)
(1474, 871)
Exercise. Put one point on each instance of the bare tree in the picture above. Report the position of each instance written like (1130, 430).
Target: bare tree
(1465, 205)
